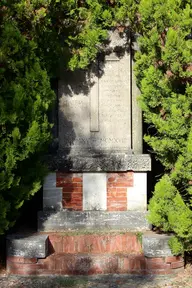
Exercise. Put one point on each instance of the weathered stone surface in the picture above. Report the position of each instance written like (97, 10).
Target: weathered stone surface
(50, 181)
(106, 162)
(63, 220)
(52, 196)
(156, 245)
(27, 246)
(94, 191)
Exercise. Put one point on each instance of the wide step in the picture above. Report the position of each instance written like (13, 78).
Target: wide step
(58, 221)
(95, 243)
(88, 264)
(71, 253)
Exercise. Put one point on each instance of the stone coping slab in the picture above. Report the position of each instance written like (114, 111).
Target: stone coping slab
(101, 161)
(89, 220)
(35, 246)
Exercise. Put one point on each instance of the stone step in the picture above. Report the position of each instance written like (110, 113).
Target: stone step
(101, 253)
(54, 221)
(87, 264)
(95, 243)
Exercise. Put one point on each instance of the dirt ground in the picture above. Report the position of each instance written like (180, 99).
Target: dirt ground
(182, 280)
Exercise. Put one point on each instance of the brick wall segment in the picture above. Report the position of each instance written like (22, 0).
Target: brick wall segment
(170, 259)
(177, 264)
(117, 185)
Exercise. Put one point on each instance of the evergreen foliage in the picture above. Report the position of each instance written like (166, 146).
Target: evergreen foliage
(37, 35)
(164, 73)
(25, 96)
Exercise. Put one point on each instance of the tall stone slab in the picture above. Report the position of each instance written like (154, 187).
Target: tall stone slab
(99, 121)
(100, 133)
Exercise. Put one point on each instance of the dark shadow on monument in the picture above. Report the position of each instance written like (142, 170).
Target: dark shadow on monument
(78, 82)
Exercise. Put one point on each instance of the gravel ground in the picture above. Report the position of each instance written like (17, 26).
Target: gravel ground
(182, 280)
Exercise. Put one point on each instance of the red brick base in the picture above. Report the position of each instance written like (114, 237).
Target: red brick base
(117, 184)
(72, 184)
(94, 254)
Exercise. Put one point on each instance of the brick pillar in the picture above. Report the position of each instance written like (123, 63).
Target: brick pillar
(117, 184)
(72, 187)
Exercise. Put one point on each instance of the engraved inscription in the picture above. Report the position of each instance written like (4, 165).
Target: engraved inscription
(114, 105)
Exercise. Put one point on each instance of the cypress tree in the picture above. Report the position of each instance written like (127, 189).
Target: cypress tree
(164, 73)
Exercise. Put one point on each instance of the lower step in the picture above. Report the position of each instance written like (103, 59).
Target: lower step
(80, 253)
(89, 264)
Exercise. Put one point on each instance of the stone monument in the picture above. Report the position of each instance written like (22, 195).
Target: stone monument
(95, 196)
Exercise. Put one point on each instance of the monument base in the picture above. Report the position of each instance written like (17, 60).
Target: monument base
(74, 253)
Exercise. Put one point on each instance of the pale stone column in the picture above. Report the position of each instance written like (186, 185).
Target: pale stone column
(137, 195)
(137, 127)
(94, 191)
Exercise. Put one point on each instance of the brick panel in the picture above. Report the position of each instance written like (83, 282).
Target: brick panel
(72, 187)
(117, 184)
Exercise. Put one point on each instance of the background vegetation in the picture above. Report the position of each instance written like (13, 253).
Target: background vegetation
(164, 73)
(37, 35)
